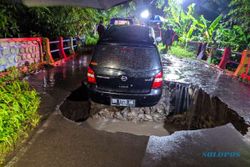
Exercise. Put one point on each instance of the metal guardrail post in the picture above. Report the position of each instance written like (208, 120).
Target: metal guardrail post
(72, 45)
(246, 76)
(70, 48)
(225, 58)
(199, 48)
(61, 49)
(46, 46)
(202, 50)
(244, 63)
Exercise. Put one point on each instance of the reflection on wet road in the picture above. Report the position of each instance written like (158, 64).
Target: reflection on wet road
(54, 84)
(69, 71)
(59, 142)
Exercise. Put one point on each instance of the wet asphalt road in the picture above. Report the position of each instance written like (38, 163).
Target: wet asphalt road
(60, 142)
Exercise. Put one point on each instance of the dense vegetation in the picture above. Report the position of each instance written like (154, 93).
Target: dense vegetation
(226, 30)
(180, 51)
(17, 20)
(18, 111)
(221, 27)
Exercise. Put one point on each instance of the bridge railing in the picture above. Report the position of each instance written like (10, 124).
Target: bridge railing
(60, 50)
(243, 69)
(236, 64)
(23, 52)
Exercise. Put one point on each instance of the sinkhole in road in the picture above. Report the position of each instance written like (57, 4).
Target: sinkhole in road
(182, 107)
(196, 109)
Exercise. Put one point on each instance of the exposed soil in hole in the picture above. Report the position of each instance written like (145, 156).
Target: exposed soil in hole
(145, 121)
(76, 106)
(156, 113)
(205, 112)
(182, 107)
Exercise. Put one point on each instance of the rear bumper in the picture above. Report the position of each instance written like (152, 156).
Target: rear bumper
(142, 100)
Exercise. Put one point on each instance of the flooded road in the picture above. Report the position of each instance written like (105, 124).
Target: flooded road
(94, 142)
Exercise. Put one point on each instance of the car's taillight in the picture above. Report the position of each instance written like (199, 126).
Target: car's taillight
(157, 81)
(91, 76)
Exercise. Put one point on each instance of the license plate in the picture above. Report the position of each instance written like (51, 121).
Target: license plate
(122, 102)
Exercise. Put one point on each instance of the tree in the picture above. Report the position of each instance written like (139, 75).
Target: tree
(124, 10)
(233, 37)
(207, 29)
(239, 14)
(18, 20)
(8, 23)
(183, 22)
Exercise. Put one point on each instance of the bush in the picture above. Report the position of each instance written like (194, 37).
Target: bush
(180, 51)
(18, 111)
(91, 40)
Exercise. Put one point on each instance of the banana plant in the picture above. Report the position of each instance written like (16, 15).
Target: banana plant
(207, 29)
(184, 24)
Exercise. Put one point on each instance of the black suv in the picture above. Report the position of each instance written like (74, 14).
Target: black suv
(125, 69)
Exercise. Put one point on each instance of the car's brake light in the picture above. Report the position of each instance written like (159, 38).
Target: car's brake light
(157, 81)
(91, 76)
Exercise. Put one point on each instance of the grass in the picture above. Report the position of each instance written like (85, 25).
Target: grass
(182, 52)
(18, 111)
(161, 47)
(91, 40)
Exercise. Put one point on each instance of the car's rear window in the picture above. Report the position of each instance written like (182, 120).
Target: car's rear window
(127, 57)
(131, 34)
